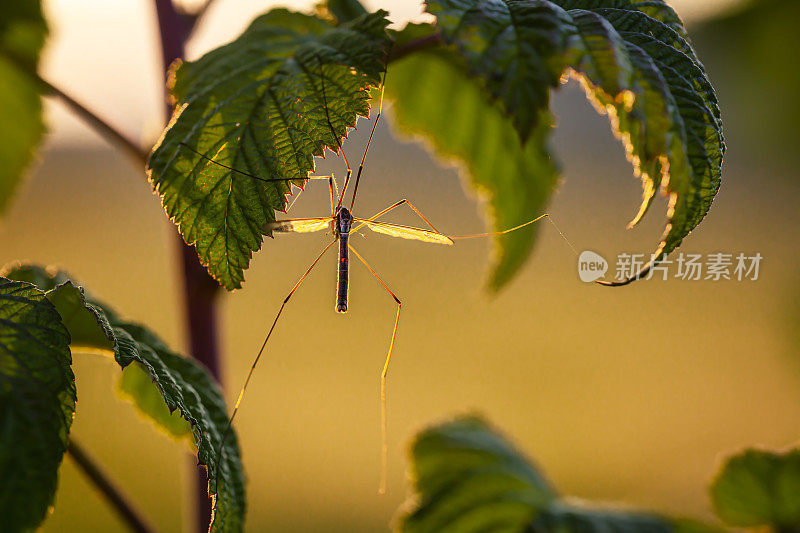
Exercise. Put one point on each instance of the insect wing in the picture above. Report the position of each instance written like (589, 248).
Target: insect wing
(405, 232)
(298, 225)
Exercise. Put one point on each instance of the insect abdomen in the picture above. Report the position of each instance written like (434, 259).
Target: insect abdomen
(344, 270)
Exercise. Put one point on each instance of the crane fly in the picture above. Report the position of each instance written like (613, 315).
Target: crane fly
(341, 223)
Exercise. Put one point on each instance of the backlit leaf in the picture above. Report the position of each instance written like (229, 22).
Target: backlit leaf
(517, 49)
(468, 478)
(257, 105)
(637, 65)
(433, 98)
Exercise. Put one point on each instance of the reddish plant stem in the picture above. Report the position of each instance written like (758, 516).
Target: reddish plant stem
(200, 290)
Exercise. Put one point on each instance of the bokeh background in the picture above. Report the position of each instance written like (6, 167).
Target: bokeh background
(631, 395)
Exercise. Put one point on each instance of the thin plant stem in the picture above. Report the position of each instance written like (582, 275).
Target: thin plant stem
(102, 127)
(110, 492)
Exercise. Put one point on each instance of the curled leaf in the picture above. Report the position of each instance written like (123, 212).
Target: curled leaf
(637, 65)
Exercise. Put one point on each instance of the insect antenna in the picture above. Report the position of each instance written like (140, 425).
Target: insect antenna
(369, 141)
(184, 145)
(339, 149)
(258, 178)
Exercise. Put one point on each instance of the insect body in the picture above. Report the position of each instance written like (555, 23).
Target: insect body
(343, 223)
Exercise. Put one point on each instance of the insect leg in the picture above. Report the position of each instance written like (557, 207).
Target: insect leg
(384, 372)
(550, 219)
(263, 346)
(339, 148)
(394, 206)
(515, 228)
(297, 196)
(369, 141)
(334, 190)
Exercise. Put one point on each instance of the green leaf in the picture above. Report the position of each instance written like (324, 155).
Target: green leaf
(469, 479)
(136, 385)
(257, 105)
(637, 65)
(434, 98)
(695, 145)
(517, 48)
(37, 403)
(22, 34)
(345, 10)
(566, 519)
(758, 488)
(184, 385)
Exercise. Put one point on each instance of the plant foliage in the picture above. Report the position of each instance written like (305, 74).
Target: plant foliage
(482, 98)
(136, 385)
(344, 10)
(22, 34)
(184, 385)
(637, 65)
(37, 402)
(468, 479)
(251, 117)
(759, 488)
(435, 99)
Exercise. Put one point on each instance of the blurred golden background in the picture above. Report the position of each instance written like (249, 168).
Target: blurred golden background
(627, 395)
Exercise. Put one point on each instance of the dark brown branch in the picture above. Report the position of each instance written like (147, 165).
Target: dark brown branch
(431, 41)
(110, 492)
(100, 126)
